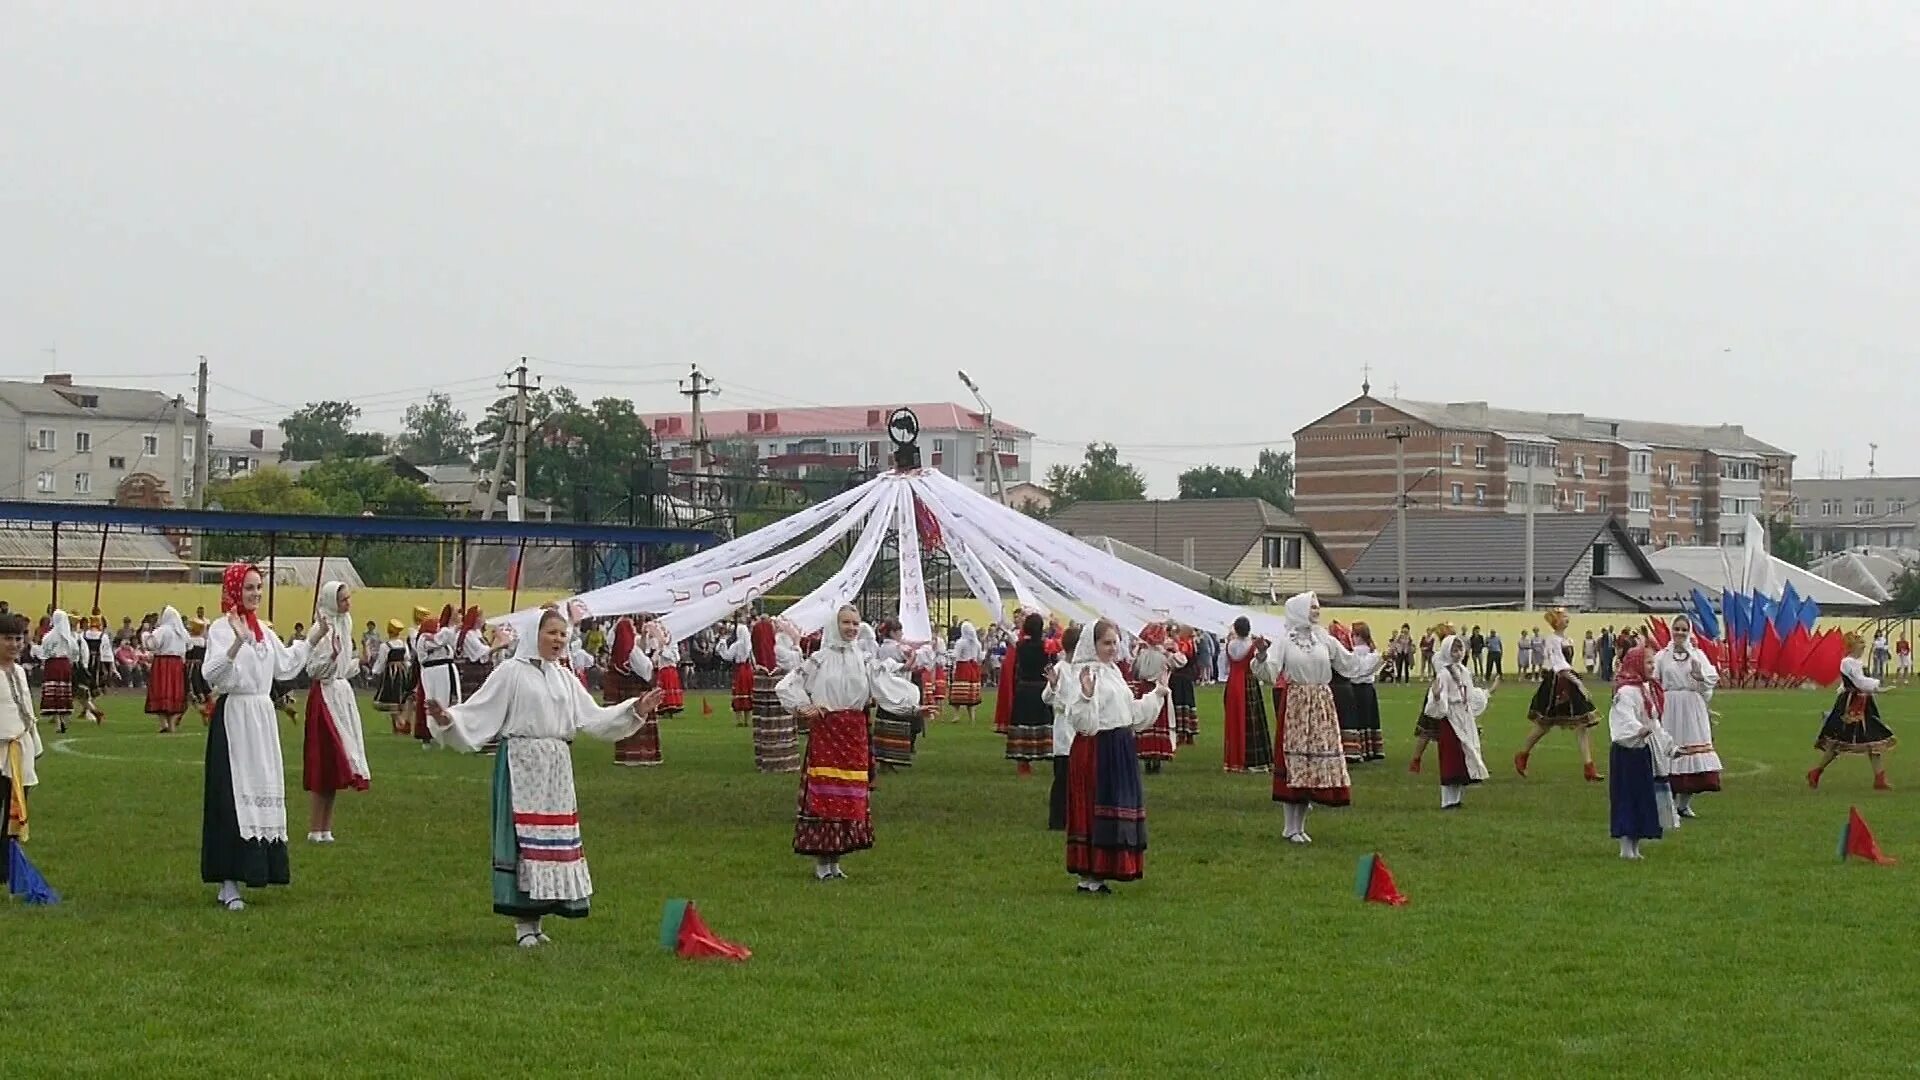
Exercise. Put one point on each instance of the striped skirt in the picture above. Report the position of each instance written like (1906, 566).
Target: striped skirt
(743, 688)
(835, 816)
(776, 742)
(893, 738)
(1106, 808)
(1155, 743)
(966, 683)
(56, 687)
(1186, 709)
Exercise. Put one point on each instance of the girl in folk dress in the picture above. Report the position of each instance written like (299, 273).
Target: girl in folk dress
(197, 690)
(1180, 685)
(1561, 702)
(60, 653)
(1426, 729)
(243, 831)
(1106, 807)
(1367, 739)
(628, 673)
(336, 747)
(1634, 775)
(967, 657)
(898, 704)
(642, 748)
(439, 677)
(1030, 729)
(665, 655)
(20, 742)
(1153, 665)
(739, 653)
(1311, 769)
(1004, 685)
(1456, 704)
(535, 707)
(1687, 679)
(1062, 734)
(167, 684)
(1248, 746)
(394, 693)
(1853, 724)
(833, 688)
(1345, 702)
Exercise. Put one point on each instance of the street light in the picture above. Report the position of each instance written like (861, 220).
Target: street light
(993, 449)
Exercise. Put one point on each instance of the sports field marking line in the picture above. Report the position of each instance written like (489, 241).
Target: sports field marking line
(65, 746)
(1759, 768)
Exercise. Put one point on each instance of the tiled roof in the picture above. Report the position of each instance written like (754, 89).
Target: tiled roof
(1480, 554)
(840, 420)
(1223, 531)
(1479, 416)
(114, 403)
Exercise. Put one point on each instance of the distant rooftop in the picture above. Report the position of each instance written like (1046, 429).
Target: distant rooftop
(841, 420)
(1480, 416)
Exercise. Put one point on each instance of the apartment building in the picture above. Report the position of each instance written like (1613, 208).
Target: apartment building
(65, 442)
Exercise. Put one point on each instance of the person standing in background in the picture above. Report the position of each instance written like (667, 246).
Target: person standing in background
(1496, 650)
(1476, 648)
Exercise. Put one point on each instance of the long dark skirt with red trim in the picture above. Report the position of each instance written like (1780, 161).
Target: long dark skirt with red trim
(1853, 725)
(56, 687)
(1186, 709)
(673, 692)
(1106, 808)
(1360, 724)
(197, 688)
(1453, 760)
(1561, 702)
(1030, 729)
(1156, 743)
(835, 812)
(643, 746)
(167, 687)
(324, 765)
(1311, 767)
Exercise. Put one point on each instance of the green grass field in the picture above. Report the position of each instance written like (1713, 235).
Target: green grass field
(1740, 946)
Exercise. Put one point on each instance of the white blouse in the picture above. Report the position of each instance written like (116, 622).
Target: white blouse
(19, 725)
(1630, 710)
(333, 659)
(1150, 663)
(1111, 706)
(55, 647)
(473, 647)
(1856, 673)
(1310, 659)
(894, 692)
(1552, 652)
(640, 664)
(257, 665)
(1056, 697)
(1365, 654)
(838, 678)
(965, 651)
(1238, 648)
(1694, 675)
(529, 698)
(166, 641)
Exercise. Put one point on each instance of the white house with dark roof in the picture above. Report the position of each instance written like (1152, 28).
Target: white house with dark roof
(67, 442)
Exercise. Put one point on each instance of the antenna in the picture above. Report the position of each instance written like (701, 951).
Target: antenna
(1873, 457)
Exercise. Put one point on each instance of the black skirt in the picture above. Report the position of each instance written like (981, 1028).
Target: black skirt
(1631, 794)
(224, 856)
(1057, 798)
(1561, 702)
(1853, 725)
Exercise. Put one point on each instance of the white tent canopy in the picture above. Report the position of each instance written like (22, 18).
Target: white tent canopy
(988, 543)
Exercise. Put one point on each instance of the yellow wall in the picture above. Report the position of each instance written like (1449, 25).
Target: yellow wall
(1509, 623)
(292, 603)
(1313, 575)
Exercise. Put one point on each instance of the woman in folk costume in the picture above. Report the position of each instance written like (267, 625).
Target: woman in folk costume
(739, 652)
(197, 690)
(1106, 806)
(967, 658)
(1310, 768)
(898, 706)
(60, 653)
(1561, 702)
(1030, 728)
(833, 688)
(1426, 728)
(439, 678)
(1853, 724)
(472, 659)
(1004, 684)
(393, 694)
(20, 743)
(630, 666)
(1687, 680)
(336, 748)
(1062, 733)
(96, 674)
(1153, 664)
(1345, 704)
(167, 683)
(1181, 684)
(1367, 740)
(243, 832)
(776, 743)
(1633, 773)
(534, 706)
(925, 668)
(1456, 705)
(1248, 748)
(665, 655)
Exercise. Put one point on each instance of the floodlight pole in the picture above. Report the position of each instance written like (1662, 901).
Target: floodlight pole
(993, 449)
(1399, 433)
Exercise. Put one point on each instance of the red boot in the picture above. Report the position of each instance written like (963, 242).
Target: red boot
(1813, 779)
(1593, 774)
(1520, 764)
(1413, 766)
(1880, 782)
(1025, 769)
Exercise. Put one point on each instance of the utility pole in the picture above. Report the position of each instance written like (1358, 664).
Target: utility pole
(522, 415)
(1399, 433)
(200, 440)
(993, 449)
(484, 500)
(1533, 496)
(694, 387)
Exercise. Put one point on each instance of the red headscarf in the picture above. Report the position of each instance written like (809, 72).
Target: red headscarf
(472, 619)
(1342, 635)
(1636, 669)
(230, 597)
(624, 638)
(446, 615)
(1154, 634)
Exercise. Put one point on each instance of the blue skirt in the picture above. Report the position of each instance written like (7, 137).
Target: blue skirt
(1630, 790)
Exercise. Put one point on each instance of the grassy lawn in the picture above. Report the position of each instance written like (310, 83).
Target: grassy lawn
(1740, 946)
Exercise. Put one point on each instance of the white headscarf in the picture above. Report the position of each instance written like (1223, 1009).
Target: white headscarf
(869, 644)
(170, 620)
(62, 631)
(968, 634)
(330, 612)
(1300, 624)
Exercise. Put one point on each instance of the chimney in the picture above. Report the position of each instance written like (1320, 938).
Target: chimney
(57, 380)
(771, 421)
(753, 421)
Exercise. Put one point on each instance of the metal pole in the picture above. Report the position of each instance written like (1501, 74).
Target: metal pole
(273, 569)
(1532, 497)
(463, 573)
(1399, 434)
(100, 567)
(56, 565)
(200, 446)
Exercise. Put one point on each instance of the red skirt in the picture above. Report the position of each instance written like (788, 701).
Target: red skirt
(743, 688)
(1453, 759)
(323, 763)
(1003, 695)
(966, 683)
(640, 748)
(673, 694)
(835, 813)
(1156, 743)
(167, 687)
(56, 687)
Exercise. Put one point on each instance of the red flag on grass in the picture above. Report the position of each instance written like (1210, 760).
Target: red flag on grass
(684, 932)
(1374, 882)
(1857, 840)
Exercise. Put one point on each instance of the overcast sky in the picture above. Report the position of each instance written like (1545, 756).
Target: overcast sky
(1179, 226)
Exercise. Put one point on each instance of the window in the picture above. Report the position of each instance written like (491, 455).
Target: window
(1673, 507)
(1643, 537)
(1280, 553)
(116, 463)
(44, 482)
(1601, 556)
(1601, 503)
(1826, 507)
(940, 446)
(239, 466)
(186, 448)
(1580, 466)
(1600, 466)
(1639, 500)
(1673, 473)
(1896, 507)
(1739, 470)
(150, 445)
(1516, 494)
(83, 442)
(44, 439)
(82, 483)
(89, 401)
(1365, 416)
(1457, 448)
(1696, 472)
(1640, 462)
(1673, 539)
(1479, 494)
(1542, 495)
(1693, 509)
(1479, 457)
(1459, 493)
(1579, 502)
(1868, 512)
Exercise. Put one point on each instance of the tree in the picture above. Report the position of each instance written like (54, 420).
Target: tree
(1906, 589)
(349, 488)
(1271, 479)
(323, 429)
(268, 491)
(1786, 544)
(435, 433)
(1100, 477)
(586, 459)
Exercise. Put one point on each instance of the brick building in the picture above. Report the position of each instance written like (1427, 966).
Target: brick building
(1671, 484)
